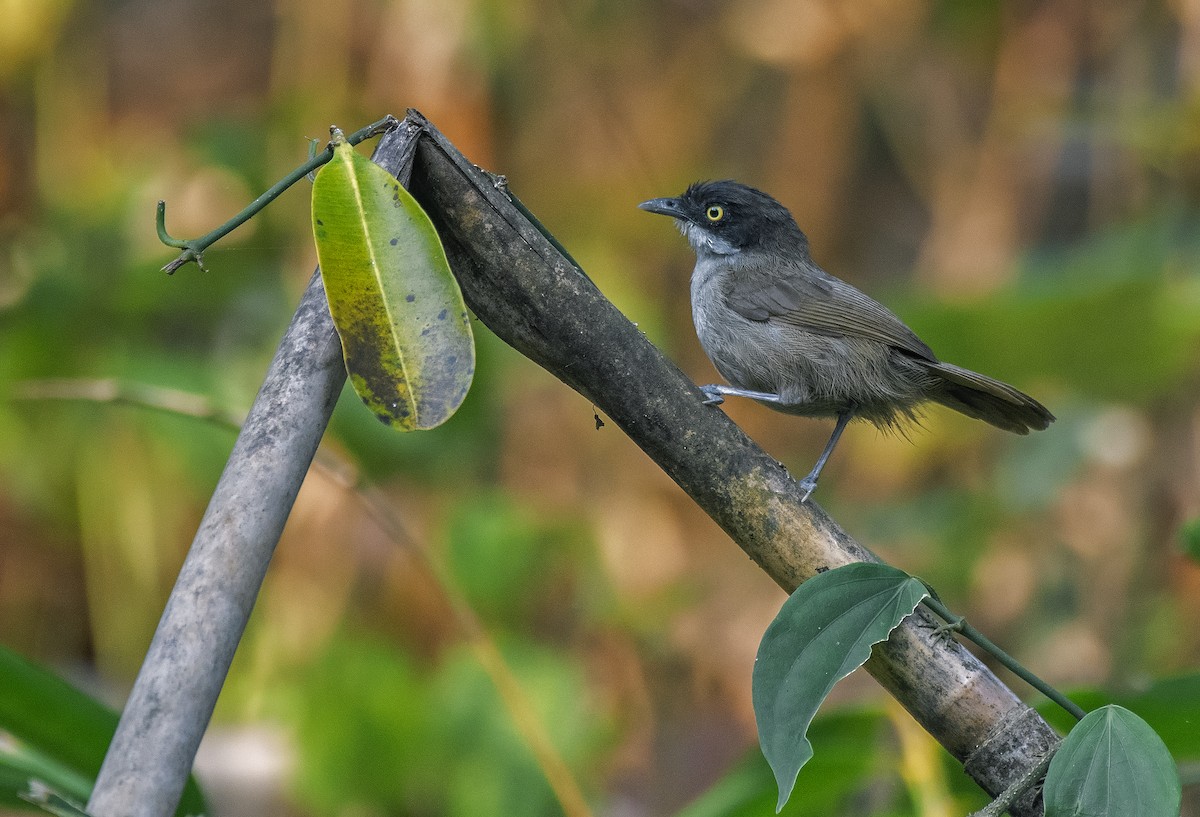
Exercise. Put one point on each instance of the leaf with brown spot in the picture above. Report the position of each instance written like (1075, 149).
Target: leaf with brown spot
(406, 336)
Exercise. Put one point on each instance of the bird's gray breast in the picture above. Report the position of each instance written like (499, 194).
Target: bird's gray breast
(734, 344)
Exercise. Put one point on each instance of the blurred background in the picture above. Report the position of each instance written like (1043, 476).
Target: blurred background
(1019, 181)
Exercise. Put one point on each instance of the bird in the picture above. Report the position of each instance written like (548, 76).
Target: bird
(789, 335)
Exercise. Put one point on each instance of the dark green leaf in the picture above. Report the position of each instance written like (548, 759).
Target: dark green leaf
(1112, 764)
(823, 632)
(406, 336)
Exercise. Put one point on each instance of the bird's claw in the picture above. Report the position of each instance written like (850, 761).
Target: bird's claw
(712, 397)
(807, 486)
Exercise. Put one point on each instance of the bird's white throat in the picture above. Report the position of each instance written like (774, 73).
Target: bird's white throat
(703, 241)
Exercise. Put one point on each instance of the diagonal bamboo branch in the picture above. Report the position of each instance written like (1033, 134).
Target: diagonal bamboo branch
(530, 295)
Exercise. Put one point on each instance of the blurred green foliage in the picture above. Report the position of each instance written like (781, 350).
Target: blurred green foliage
(379, 732)
(831, 778)
(58, 737)
(510, 563)
(1189, 536)
(1019, 182)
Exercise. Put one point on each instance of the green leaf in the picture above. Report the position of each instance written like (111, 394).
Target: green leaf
(406, 336)
(1112, 763)
(63, 735)
(823, 632)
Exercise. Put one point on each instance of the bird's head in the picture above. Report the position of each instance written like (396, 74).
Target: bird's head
(726, 217)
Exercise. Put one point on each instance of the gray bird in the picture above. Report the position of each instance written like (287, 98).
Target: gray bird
(786, 333)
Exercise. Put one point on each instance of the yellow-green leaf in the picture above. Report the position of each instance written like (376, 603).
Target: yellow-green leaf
(405, 333)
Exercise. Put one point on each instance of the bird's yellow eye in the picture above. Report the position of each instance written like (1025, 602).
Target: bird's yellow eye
(715, 212)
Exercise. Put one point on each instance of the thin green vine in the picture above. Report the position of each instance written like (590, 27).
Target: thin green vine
(193, 248)
(958, 624)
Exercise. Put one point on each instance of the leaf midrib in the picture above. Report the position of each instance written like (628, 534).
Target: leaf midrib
(387, 307)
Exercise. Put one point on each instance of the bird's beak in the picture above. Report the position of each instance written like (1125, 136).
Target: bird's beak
(666, 207)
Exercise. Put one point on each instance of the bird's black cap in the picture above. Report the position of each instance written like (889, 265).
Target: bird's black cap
(738, 214)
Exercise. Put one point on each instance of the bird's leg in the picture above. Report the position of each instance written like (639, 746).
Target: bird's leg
(809, 483)
(716, 393)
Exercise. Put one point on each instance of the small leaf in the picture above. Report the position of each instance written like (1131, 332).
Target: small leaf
(405, 333)
(1112, 764)
(823, 632)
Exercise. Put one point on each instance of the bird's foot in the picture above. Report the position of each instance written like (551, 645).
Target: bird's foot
(712, 395)
(807, 485)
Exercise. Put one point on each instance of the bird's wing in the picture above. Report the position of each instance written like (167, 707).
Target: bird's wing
(822, 304)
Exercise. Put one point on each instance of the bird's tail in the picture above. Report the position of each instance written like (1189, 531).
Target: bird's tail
(987, 399)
